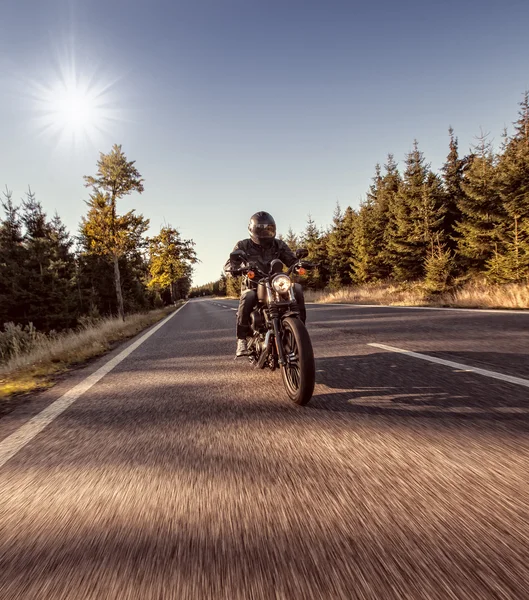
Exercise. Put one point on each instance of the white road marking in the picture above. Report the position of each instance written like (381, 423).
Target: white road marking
(22, 436)
(467, 310)
(459, 366)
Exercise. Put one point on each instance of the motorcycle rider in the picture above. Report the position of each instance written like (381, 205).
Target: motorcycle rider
(261, 248)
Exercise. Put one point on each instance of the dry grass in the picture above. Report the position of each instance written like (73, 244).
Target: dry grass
(470, 295)
(50, 356)
(482, 295)
(391, 294)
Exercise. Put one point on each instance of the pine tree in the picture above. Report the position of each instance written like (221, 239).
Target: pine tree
(233, 287)
(387, 257)
(340, 247)
(49, 299)
(453, 170)
(116, 177)
(510, 261)
(12, 262)
(315, 241)
(364, 240)
(291, 240)
(417, 217)
(439, 267)
(481, 209)
(371, 260)
(222, 285)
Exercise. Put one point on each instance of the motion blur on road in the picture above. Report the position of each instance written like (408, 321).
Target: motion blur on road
(186, 474)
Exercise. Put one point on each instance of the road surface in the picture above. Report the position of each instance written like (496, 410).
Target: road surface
(183, 473)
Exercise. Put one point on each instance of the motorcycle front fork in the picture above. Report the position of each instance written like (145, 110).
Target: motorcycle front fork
(279, 342)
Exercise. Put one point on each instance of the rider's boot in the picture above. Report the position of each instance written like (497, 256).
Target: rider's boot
(242, 348)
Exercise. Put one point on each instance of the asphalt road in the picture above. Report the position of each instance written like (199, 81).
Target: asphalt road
(185, 474)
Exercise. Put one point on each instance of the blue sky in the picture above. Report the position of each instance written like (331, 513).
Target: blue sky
(231, 106)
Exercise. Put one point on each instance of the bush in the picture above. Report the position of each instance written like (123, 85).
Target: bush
(16, 340)
(439, 266)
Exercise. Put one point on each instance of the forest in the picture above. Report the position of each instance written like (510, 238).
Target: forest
(52, 280)
(467, 222)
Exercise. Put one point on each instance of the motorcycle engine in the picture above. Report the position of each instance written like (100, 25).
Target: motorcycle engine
(257, 321)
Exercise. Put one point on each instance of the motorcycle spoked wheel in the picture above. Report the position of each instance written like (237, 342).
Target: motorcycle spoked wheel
(299, 374)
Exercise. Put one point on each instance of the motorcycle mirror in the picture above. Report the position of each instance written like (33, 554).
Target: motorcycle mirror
(302, 253)
(276, 266)
(238, 255)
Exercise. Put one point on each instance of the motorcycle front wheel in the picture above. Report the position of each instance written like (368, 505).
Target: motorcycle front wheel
(299, 374)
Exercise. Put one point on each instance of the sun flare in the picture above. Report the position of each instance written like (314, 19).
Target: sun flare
(75, 109)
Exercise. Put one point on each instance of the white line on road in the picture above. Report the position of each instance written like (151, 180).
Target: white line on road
(467, 310)
(22, 436)
(455, 365)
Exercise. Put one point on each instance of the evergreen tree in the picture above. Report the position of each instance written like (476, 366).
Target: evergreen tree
(233, 286)
(389, 203)
(49, 298)
(316, 244)
(439, 267)
(116, 177)
(364, 239)
(417, 217)
(481, 209)
(291, 240)
(372, 261)
(213, 288)
(12, 262)
(510, 261)
(453, 170)
(222, 285)
(340, 247)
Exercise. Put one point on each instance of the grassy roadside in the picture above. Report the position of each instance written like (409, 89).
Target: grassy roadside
(49, 357)
(471, 295)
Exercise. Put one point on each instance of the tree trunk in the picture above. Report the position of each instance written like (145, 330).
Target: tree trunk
(117, 281)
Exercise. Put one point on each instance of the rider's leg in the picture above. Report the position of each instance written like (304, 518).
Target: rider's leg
(246, 303)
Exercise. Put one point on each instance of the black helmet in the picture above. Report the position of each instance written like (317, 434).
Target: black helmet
(262, 228)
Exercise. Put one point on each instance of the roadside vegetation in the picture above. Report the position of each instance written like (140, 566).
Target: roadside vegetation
(457, 237)
(471, 295)
(30, 359)
(65, 298)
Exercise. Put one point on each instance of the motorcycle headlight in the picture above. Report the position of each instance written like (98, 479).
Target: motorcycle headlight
(281, 283)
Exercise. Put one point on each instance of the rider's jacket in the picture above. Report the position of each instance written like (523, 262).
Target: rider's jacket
(263, 256)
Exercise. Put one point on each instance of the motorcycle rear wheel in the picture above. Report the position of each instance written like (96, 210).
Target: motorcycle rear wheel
(299, 374)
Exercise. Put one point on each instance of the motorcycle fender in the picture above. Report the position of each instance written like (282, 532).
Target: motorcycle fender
(290, 313)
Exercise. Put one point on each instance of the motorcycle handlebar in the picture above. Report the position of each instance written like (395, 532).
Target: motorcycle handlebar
(243, 270)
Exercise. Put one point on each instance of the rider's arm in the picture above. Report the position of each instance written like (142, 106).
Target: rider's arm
(286, 256)
(227, 265)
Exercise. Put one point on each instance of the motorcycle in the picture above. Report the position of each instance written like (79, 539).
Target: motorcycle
(279, 337)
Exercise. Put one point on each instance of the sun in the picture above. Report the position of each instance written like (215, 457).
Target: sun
(74, 108)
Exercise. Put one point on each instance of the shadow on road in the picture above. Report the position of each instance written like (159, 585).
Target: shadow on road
(394, 385)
